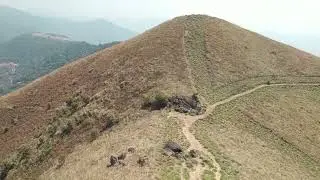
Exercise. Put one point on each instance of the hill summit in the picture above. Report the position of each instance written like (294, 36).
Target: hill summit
(173, 83)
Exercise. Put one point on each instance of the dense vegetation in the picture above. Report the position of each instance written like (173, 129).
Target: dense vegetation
(37, 56)
(14, 23)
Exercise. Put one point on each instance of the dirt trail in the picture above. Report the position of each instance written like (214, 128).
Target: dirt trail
(195, 144)
(192, 83)
(188, 121)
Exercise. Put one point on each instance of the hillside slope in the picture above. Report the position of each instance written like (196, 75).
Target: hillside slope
(80, 115)
(15, 22)
(34, 56)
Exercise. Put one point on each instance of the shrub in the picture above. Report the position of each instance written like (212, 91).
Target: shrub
(93, 135)
(45, 150)
(158, 102)
(108, 123)
(22, 157)
(51, 130)
(66, 129)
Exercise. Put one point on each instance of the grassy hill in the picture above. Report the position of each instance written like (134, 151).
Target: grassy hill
(232, 96)
(36, 56)
(14, 22)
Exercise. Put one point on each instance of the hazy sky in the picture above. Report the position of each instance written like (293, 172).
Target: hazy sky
(282, 16)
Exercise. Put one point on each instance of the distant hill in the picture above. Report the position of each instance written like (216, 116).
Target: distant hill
(34, 55)
(14, 22)
(193, 98)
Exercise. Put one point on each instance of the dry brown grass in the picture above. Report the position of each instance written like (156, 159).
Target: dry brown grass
(226, 59)
(115, 79)
(218, 58)
(122, 73)
(272, 133)
(147, 135)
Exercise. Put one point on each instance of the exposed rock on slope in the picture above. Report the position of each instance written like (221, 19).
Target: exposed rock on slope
(187, 55)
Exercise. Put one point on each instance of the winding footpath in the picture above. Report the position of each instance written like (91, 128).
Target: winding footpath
(188, 121)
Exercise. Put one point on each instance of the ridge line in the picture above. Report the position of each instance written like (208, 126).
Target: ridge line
(185, 57)
(190, 120)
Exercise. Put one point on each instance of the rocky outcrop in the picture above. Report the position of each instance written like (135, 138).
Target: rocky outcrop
(186, 104)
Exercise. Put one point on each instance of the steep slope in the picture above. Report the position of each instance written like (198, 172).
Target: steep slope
(15, 22)
(121, 75)
(37, 54)
(302, 41)
(222, 54)
(104, 96)
(270, 132)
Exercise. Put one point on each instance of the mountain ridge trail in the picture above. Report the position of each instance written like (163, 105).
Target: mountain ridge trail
(196, 145)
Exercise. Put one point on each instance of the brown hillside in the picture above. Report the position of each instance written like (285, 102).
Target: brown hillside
(154, 59)
(190, 54)
(223, 54)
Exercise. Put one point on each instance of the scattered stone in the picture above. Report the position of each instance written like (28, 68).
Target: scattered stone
(172, 146)
(189, 164)
(273, 52)
(122, 156)
(58, 132)
(4, 170)
(59, 163)
(74, 82)
(122, 163)
(168, 152)
(193, 161)
(142, 161)
(203, 164)
(109, 124)
(113, 161)
(14, 121)
(3, 173)
(178, 155)
(5, 130)
(131, 150)
(40, 142)
(206, 161)
(182, 104)
(186, 104)
(194, 153)
(48, 106)
(186, 156)
(124, 84)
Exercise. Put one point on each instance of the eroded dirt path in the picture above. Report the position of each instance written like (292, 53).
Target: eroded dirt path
(188, 121)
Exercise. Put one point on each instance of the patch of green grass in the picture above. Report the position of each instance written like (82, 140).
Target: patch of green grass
(186, 173)
(66, 129)
(249, 113)
(229, 168)
(43, 152)
(22, 156)
(156, 101)
(208, 175)
(170, 173)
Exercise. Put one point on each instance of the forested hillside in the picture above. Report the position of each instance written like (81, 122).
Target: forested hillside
(33, 56)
